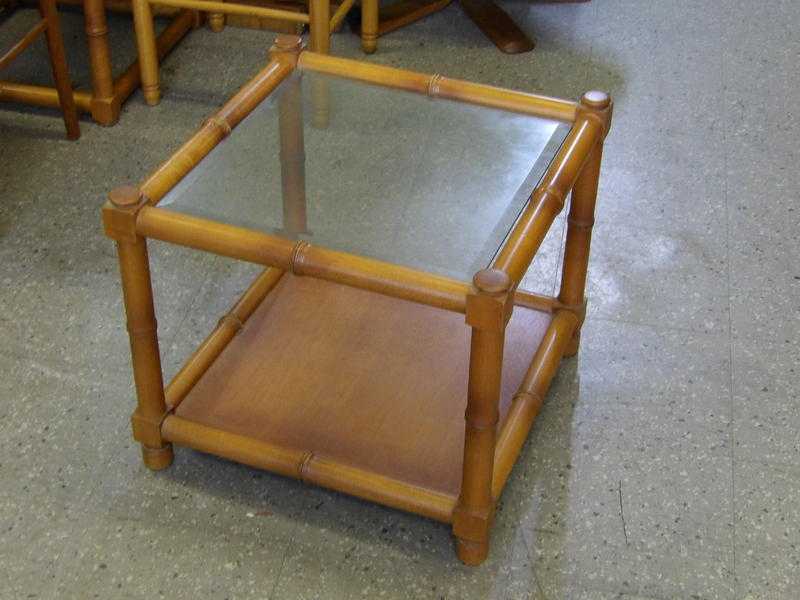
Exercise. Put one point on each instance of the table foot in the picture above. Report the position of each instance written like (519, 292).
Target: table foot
(157, 459)
(471, 553)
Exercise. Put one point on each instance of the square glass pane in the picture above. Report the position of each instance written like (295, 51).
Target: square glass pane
(426, 183)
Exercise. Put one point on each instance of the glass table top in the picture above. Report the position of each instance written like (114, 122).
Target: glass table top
(426, 183)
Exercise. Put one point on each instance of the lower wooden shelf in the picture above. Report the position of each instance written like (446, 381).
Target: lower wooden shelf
(328, 374)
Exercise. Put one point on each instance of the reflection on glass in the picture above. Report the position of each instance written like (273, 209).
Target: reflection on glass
(426, 183)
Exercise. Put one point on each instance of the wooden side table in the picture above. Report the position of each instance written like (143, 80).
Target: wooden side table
(387, 350)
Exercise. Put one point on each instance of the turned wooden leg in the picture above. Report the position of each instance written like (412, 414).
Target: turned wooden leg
(579, 225)
(319, 27)
(148, 54)
(369, 25)
(137, 290)
(488, 309)
(58, 63)
(105, 108)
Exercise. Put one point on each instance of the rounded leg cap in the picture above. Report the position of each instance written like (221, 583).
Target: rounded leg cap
(157, 459)
(369, 45)
(471, 553)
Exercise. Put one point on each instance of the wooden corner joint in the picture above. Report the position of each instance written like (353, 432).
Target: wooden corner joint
(120, 213)
(146, 430)
(286, 49)
(596, 106)
(473, 524)
(491, 300)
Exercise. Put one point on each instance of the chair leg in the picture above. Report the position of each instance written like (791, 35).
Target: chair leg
(148, 54)
(369, 25)
(58, 63)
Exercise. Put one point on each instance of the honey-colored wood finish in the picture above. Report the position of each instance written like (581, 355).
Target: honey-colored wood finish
(50, 26)
(107, 94)
(319, 20)
(352, 373)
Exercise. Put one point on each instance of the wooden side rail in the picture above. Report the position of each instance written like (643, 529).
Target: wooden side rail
(310, 468)
(550, 195)
(441, 87)
(530, 396)
(214, 130)
(228, 326)
(301, 258)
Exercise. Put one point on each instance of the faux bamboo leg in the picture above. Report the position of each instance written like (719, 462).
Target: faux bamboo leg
(148, 55)
(293, 160)
(105, 107)
(58, 62)
(138, 294)
(369, 25)
(579, 225)
(146, 45)
(319, 27)
(487, 311)
(216, 21)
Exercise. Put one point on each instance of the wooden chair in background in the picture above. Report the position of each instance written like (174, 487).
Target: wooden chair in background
(51, 27)
(319, 20)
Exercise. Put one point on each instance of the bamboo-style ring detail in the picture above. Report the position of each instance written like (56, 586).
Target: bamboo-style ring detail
(433, 85)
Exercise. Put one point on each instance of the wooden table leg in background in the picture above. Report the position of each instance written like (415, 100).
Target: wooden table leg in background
(148, 53)
(58, 63)
(104, 107)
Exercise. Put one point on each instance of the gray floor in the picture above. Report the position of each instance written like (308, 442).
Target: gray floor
(665, 463)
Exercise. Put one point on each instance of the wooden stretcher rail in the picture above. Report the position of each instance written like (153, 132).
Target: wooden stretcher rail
(341, 13)
(530, 396)
(20, 46)
(309, 468)
(547, 200)
(302, 259)
(217, 340)
(441, 87)
(214, 130)
(236, 9)
(38, 95)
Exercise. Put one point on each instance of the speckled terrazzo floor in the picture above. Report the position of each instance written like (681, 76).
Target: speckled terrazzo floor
(665, 463)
